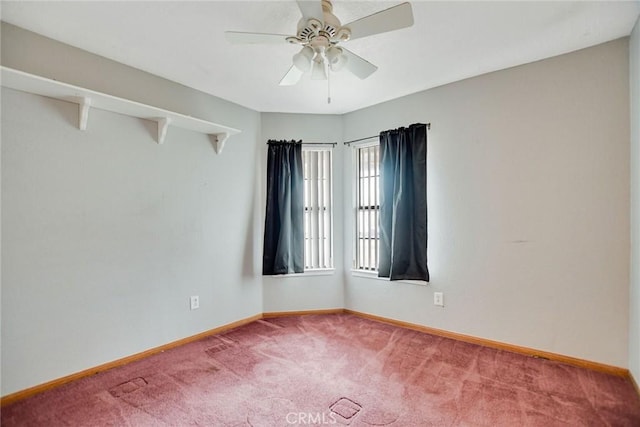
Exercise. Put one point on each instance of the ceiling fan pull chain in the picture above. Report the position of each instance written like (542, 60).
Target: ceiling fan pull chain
(328, 86)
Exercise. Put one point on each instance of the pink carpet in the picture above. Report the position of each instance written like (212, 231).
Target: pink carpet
(334, 370)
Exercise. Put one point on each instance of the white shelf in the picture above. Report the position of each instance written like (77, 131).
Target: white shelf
(87, 99)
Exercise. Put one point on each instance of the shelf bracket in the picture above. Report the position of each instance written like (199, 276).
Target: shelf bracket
(83, 112)
(163, 125)
(218, 141)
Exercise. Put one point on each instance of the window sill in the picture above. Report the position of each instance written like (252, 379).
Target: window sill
(315, 272)
(374, 275)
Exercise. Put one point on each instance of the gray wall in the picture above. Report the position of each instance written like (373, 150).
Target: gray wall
(106, 234)
(325, 290)
(634, 298)
(528, 194)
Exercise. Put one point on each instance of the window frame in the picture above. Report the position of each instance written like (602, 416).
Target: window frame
(356, 272)
(330, 266)
(357, 266)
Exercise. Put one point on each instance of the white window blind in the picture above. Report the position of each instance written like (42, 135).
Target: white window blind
(367, 208)
(318, 215)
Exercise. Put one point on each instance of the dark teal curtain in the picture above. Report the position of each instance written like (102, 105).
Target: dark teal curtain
(403, 203)
(283, 250)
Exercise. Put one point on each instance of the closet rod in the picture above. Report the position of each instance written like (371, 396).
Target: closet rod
(374, 136)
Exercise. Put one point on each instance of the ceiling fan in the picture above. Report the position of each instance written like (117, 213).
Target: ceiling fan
(321, 35)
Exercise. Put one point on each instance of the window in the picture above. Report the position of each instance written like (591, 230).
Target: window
(367, 208)
(318, 218)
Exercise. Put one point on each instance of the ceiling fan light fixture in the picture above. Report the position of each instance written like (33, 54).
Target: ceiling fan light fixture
(302, 59)
(337, 59)
(318, 71)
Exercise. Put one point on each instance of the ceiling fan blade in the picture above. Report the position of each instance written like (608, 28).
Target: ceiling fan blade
(292, 77)
(311, 9)
(394, 18)
(254, 38)
(358, 66)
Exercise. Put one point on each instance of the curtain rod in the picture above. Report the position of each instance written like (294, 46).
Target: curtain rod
(374, 136)
(333, 144)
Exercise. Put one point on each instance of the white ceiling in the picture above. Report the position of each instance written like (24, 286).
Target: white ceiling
(450, 41)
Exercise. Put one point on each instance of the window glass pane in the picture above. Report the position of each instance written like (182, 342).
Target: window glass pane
(367, 209)
(317, 200)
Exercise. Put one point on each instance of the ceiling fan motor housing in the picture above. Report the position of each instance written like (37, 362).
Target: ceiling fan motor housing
(330, 29)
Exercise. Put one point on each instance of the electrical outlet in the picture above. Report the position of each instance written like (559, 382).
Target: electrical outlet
(194, 302)
(438, 299)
